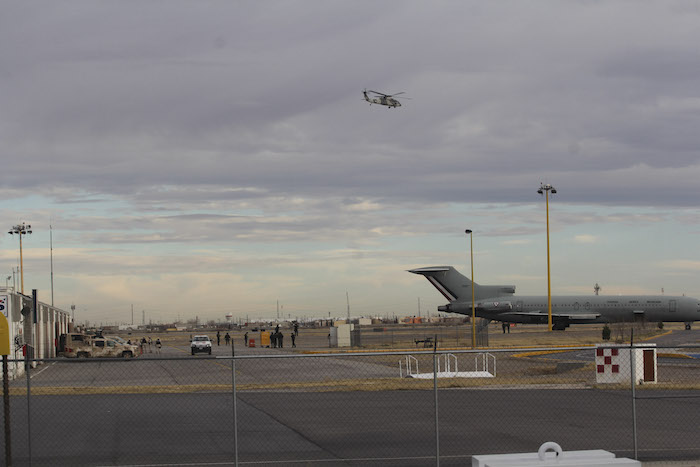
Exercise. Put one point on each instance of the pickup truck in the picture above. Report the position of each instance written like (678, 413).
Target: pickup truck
(83, 346)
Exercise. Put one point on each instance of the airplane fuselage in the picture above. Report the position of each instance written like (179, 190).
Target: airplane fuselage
(582, 309)
(500, 303)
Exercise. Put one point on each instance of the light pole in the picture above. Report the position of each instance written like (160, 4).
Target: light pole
(471, 263)
(21, 229)
(545, 189)
(7, 281)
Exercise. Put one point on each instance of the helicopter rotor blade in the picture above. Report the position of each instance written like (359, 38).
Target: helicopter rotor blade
(379, 93)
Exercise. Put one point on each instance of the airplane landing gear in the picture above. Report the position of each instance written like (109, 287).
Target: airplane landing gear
(687, 326)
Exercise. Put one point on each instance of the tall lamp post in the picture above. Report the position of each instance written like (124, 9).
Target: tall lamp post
(545, 188)
(21, 229)
(471, 262)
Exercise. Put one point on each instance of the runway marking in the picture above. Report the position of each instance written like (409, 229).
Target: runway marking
(37, 373)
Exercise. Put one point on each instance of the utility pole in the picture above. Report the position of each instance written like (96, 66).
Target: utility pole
(51, 245)
(471, 263)
(347, 297)
(21, 229)
(546, 189)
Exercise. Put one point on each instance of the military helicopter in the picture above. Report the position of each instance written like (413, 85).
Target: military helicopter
(383, 99)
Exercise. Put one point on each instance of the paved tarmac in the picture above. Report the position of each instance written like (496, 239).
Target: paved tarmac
(344, 428)
(280, 425)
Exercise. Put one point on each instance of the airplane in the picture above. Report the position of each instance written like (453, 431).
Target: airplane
(499, 303)
(383, 99)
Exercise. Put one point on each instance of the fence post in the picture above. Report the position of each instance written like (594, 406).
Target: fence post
(6, 406)
(27, 366)
(633, 378)
(435, 390)
(235, 406)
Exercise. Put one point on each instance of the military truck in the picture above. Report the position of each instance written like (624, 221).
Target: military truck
(75, 345)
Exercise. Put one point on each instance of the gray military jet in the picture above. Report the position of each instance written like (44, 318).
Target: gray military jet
(499, 303)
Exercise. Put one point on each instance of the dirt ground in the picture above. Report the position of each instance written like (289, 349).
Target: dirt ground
(404, 337)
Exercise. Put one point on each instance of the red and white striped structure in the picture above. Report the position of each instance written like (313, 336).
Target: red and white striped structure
(613, 363)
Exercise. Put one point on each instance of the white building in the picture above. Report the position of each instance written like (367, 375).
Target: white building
(38, 331)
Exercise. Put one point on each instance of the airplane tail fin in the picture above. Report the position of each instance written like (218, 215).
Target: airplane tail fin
(456, 287)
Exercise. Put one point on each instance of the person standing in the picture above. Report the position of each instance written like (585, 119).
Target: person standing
(227, 339)
(294, 340)
(218, 338)
(280, 340)
(158, 345)
(245, 337)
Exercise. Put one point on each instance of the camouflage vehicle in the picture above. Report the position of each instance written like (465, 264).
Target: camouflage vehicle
(71, 344)
(75, 345)
(104, 347)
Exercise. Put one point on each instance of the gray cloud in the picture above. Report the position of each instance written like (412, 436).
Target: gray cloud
(162, 124)
(267, 96)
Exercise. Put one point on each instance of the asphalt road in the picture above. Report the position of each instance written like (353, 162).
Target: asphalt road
(278, 425)
(344, 428)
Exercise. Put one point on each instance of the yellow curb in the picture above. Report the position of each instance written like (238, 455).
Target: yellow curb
(536, 353)
(87, 390)
(658, 335)
(673, 355)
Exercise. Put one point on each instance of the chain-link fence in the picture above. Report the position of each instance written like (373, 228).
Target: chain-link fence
(383, 408)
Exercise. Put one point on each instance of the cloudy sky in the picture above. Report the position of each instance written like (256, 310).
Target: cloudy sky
(207, 157)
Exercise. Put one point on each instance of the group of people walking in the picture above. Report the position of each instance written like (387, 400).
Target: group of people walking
(146, 345)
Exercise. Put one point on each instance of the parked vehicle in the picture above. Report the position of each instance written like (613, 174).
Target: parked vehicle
(200, 344)
(106, 347)
(74, 345)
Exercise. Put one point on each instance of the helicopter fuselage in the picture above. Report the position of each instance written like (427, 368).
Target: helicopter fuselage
(383, 100)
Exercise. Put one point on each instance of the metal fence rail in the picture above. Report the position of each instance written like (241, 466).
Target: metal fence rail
(354, 408)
